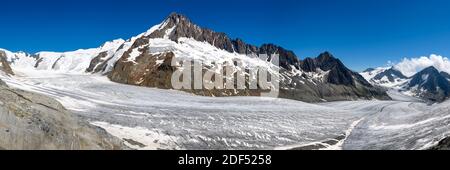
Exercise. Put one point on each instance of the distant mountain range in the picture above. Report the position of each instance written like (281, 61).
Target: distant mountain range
(428, 84)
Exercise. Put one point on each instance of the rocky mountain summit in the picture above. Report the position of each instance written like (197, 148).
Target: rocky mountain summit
(430, 84)
(178, 26)
(147, 63)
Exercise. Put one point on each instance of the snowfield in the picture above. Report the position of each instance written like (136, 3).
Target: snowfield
(147, 118)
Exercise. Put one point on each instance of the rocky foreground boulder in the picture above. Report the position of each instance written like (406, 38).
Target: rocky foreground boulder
(444, 144)
(30, 121)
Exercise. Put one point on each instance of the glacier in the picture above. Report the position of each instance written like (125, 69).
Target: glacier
(147, 118)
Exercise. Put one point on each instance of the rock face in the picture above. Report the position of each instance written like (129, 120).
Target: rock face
(430, 84)
(98, 63)
(310, 80)
(148, 70)
(338, 73)
(105, 54)
(4, 65)
(35, 122)
(156, 71)
(444, 144)
(325, 78)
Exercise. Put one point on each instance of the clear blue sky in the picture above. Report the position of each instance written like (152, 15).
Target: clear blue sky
(363, 33)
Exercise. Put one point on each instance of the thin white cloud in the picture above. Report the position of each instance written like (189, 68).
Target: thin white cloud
(410, 66)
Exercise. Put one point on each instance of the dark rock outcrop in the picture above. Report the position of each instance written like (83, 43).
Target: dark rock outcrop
(444, 144)
(145, 71)
(338, 73)
(4, 65)
(98, 63)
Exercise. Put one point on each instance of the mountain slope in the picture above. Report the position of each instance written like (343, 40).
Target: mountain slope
(325, 78)
(338, 73)
(147, 63)
(446, 75)
(69, 62)
(430, 84)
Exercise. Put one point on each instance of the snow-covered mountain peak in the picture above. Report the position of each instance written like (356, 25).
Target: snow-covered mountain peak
(385, 76)
(370, 73)
(177, 18)
(176, 26)
(114, 44)
(429, 84)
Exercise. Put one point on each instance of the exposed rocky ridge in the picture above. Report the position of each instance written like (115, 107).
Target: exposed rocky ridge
(106, 53)
(335, 82)
(98, 63)
(4, 65)
(31, 121)
(177, 26)
(430, 84)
